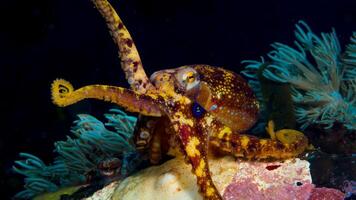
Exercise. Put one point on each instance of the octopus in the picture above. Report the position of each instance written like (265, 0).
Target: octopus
(189, 110)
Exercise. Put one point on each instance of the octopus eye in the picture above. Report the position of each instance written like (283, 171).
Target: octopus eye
(144, 135)
(189, 77)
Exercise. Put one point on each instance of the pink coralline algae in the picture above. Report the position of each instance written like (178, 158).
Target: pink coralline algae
(248, 190)
(279, 180)
(326, 194)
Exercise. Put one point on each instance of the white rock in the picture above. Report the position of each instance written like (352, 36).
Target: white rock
(173, 180)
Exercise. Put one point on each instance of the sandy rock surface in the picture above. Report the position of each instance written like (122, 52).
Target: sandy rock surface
(173, 180)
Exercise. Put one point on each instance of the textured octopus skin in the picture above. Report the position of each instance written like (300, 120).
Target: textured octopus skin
(168, 97)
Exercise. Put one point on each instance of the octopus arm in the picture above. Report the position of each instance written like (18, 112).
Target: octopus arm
(63, 94)
(194, 146)
(286, 144)
(130, 58)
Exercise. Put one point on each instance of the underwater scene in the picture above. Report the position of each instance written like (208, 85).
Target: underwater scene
(178, 100)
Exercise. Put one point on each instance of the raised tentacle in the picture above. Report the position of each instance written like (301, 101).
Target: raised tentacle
(195, 146)
(63, 94)
(130, 59)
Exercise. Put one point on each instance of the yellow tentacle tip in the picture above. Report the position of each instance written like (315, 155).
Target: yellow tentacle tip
(270, 129)
(289, 136)
(286, 136)
(61, 89)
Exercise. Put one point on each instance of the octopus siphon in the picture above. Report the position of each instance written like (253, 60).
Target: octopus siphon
(186, 110)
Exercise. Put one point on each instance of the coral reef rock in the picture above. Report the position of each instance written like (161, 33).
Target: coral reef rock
(174, 180)
(243, 180)
(326, 194)
(235, 180)
(105, 193)
(255, 180)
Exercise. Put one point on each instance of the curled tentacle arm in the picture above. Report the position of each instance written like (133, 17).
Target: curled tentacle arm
(63, 94)
(130, 59)
(194, 143)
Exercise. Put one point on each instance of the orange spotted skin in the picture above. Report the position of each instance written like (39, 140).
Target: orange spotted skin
(166, 100)
(236, 104)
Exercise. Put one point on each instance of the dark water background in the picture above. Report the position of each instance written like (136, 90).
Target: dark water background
(41, 40)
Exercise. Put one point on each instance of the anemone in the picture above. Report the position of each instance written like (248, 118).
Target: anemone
(91, 143)
(322, 77)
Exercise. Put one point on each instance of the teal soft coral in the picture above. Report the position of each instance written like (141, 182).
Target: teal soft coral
(97, 149)
(322, 77)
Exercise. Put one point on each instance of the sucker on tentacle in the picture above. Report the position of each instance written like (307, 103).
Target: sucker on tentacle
(143, 132)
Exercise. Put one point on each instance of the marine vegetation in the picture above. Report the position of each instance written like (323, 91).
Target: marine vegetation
(187, 108)
(321, 75)
(97, 151)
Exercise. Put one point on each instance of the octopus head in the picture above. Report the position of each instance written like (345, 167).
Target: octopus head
(182, 80)
(222, 93)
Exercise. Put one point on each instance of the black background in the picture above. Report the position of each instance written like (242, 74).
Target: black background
(42, 40)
